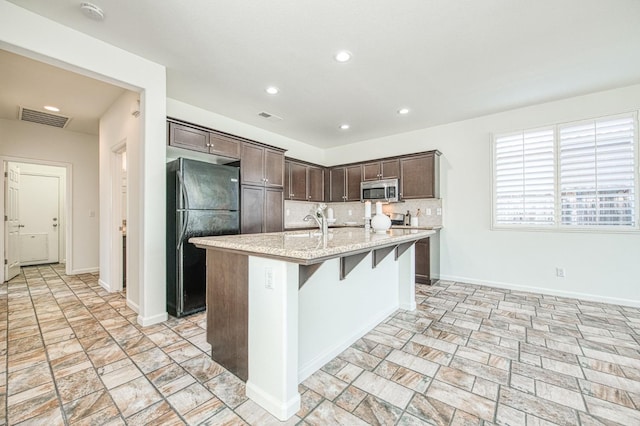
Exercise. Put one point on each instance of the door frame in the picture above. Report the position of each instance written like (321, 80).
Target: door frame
(115, 235)
(68, 207)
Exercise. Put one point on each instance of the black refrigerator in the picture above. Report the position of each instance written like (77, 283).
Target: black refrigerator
(202, 200)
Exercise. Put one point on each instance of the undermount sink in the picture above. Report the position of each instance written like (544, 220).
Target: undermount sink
(304, 234)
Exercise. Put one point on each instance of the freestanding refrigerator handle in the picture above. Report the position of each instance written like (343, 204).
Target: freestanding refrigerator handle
(185, 211)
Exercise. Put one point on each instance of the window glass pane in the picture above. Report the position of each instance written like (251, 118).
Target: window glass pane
(524, 178)
(597, 173)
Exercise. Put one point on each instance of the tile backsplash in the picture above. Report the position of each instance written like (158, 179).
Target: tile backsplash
(296, 210)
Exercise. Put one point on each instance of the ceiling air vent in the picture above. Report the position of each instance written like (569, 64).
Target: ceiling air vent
(269, 116)
(46, 118)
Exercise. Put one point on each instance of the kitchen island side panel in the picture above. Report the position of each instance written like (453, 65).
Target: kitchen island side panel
(228, 310)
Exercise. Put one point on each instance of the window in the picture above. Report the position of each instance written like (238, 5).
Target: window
(575, 175)
(524, 178)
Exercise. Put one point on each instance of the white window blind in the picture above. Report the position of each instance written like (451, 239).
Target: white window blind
(597, 173)
(524, 178)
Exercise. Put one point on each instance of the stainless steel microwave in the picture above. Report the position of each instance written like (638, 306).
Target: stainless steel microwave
(380, 190)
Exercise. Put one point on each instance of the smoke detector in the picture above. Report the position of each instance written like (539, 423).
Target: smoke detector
(92, 11)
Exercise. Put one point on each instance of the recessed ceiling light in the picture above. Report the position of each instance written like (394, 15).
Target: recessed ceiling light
(92, 11)
(403, 111)
(51, 108)
(344, 127)
(343, 56)
(272, 90)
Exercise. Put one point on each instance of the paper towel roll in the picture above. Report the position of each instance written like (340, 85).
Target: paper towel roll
(367, 209)
(378, 207)
(329, 213)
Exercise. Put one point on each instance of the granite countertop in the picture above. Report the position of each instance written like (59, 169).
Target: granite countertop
(307, 247)
(306, 226)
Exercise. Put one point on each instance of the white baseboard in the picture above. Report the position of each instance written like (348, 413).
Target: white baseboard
(304, 371)
(84, 271)
(104, 285)
(544, 290)
(282, 410)
(154, 319)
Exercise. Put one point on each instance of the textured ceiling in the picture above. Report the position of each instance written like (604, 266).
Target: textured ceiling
(445, 60)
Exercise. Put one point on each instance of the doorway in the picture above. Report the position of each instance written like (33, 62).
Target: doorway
(119, 213)
(35, 202)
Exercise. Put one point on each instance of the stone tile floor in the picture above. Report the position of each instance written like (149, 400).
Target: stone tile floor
(72, 353)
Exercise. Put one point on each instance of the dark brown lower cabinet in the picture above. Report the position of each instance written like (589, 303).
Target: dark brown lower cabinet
(228, 310)
(261, 209)
(423, 264)
(428, 259)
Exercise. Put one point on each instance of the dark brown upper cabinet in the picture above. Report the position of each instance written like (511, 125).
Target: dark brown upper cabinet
(344, 183)
(315, 183)
(419, 176)
(203, 140)
(385, 169)
(260, 165)
(303, 182)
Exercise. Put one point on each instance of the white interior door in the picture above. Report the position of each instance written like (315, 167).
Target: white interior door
(12, 224)
(40, 219)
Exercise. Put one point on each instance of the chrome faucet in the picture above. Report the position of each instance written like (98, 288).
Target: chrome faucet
(319, 217)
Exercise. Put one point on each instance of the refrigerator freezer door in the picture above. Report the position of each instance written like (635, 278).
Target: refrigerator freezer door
(209, 186)
(188, 292)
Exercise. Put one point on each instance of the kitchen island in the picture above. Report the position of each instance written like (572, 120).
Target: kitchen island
(280, 305)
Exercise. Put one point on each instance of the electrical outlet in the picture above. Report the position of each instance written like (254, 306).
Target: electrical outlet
(269, 278)
(349, 212)
(428, 212)
(560, 272)
(287, 212)
(439, 211)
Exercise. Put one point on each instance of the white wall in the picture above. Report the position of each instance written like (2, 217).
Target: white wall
(22, 32)
(28, 141)
(192, 114)
(600, 266)
(118, 126)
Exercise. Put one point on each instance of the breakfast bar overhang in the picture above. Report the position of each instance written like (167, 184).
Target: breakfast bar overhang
(280, 305)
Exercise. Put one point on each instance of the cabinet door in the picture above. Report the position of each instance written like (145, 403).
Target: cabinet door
(225, 146)
(315, 183)
(423, 270)
(298, 182)
(252, 209)
(390, 169)
(287, 180)
(417, 177)
(354, 177)
(337, 184)
(371, 171)
(273, 168)
(188, 137)
(273, 210)
(252, 164)
(327, 184)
